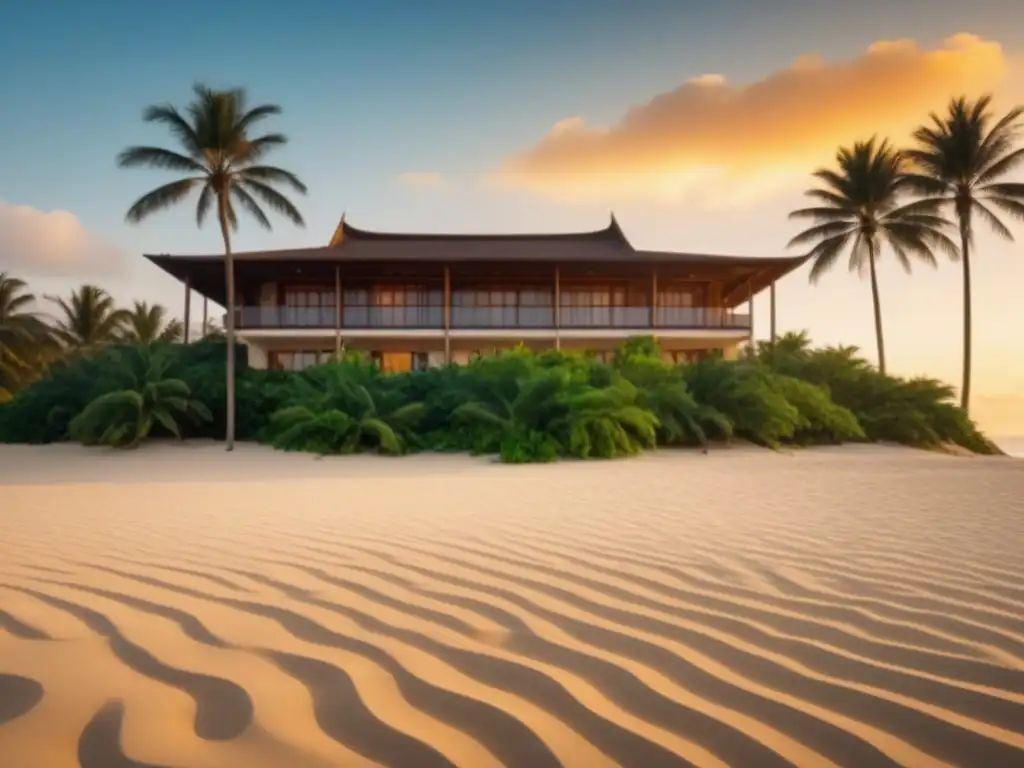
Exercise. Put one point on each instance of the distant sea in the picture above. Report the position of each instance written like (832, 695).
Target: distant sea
(1012, 445)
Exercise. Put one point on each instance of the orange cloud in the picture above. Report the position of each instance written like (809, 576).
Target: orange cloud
(52, 244)
(730, 143)
(418, 179)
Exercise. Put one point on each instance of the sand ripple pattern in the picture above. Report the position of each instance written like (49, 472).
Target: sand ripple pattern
(856, 607)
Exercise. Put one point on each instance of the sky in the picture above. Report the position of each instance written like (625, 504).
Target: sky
(697, 123)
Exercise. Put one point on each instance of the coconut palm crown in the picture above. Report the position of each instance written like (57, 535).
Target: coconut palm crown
(858, 208)
(148, 324)
(87, 319)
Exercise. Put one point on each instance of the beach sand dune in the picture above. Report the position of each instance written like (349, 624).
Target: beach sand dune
(181, 606)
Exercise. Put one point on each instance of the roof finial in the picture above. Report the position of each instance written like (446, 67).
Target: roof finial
(339, 232)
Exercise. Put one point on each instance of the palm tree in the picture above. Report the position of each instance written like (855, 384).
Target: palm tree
(148, 324)
(22, 333)
(858, 207)
(958, 160)
(223, 163)
(89, 319)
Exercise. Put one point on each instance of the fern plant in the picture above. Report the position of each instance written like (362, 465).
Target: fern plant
(123, 418)
(335, 412)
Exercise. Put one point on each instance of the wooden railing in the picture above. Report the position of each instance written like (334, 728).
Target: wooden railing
(492, 318)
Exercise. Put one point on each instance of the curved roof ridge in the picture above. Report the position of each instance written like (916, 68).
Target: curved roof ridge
(612, 232)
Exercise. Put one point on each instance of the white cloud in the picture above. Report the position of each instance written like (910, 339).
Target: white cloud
(52, 244)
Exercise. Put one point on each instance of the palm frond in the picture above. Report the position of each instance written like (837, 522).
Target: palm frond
(161, 198)
(205, 202)
(249, 204)
(991, 219)
(274, 200)
(825, 254)
(157, 157)
(816, 233)
(179, 127)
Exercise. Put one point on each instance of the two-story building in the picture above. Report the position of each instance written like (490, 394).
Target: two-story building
(417, 300)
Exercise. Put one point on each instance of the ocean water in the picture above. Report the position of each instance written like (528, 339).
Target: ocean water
(1012, 445)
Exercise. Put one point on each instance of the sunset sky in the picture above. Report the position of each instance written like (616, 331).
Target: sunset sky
(698, 123)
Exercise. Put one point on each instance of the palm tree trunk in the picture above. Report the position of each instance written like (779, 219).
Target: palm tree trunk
(965, 254)
(229, 320)
(879, 340)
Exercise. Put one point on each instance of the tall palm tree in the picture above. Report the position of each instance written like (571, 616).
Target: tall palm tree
(858, 207)
(22, 333)
(959, 159)
(223, 163)
(88, 319)
(148, 324)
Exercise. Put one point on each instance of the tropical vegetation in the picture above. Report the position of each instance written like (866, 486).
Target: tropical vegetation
(961, 160)
(222, 161)
(124, 387)
(952, 176)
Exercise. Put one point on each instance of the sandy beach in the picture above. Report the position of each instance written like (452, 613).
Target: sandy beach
(181, 606)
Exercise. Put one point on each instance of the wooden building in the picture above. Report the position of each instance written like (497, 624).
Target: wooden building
(415, 300)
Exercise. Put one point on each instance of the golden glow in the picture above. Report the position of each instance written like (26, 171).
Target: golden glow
(738, 143)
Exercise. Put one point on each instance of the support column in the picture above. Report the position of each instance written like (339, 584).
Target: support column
(750, 310)
(771, 296)
(558, 308)
(188, 307)
(654, 297)
(447, 316)
(337, 312)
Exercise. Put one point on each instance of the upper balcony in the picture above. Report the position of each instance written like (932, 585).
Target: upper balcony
(494, 318)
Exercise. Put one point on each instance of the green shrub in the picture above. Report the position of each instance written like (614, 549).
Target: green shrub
(341, 408)
(821, 420)
(517, 404)
(150, 400)
(661, 389)
(918, 412)
(748, 395)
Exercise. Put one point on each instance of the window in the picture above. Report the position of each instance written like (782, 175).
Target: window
(308, 306)
(394, 306)
(308, 297)
(682, 296)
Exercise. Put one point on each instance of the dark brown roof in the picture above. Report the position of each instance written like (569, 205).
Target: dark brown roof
(608, 245)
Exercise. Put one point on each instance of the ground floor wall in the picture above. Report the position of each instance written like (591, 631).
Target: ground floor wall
(402, 354)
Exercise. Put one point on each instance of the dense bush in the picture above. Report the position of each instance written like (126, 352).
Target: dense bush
(43, 411)
(919, 412)
(522, 406)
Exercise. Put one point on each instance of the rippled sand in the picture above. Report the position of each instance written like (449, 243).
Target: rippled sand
(184, 607)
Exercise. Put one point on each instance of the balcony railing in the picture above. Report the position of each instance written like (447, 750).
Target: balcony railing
(409, 316)
(431, 317)
(503, 317)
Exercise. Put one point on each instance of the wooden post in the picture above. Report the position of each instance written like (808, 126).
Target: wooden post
(772, 302)
(337, 312)
(188, 306)
(654, 297)
(750, 311)
(558, 308)
(447, 316)
(206, 316)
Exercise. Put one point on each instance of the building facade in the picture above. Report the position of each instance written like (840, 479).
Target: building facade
(414, 301)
